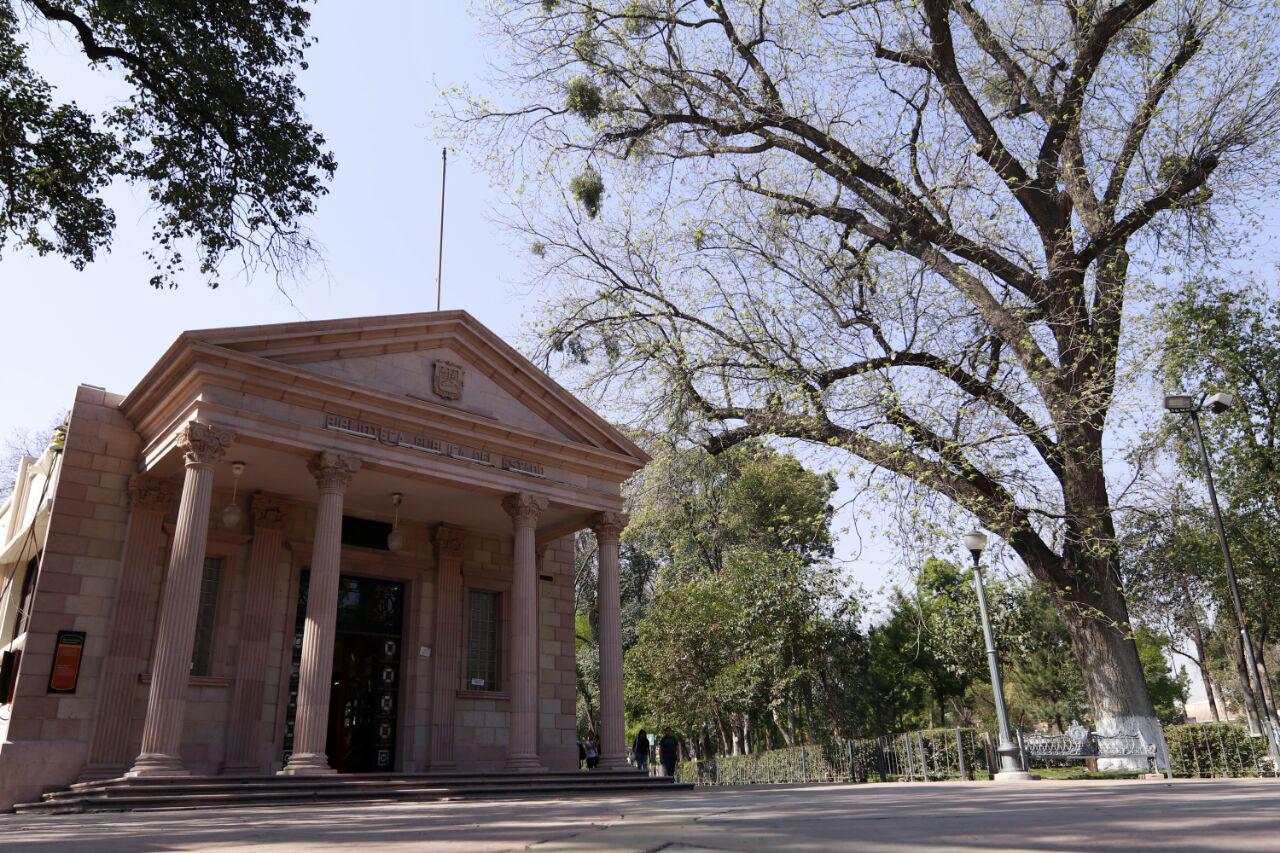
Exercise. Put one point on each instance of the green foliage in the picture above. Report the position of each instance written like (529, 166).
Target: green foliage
(1168, 691)
(747, 627)
(1214, 749)
(583, 97)
(588, 188)
(210, 131)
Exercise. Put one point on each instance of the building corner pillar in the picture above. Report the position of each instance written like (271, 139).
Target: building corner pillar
(522, 749)
(608, 528)
(448, 648)
(270, 516)
(150, 499)
(202, 447)
(333, 472)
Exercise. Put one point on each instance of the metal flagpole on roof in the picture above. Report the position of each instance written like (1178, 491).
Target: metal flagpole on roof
(444, 170)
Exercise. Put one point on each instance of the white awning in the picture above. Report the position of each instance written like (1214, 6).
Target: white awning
(27, 541)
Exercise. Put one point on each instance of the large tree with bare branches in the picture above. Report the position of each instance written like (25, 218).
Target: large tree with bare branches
(903, 228)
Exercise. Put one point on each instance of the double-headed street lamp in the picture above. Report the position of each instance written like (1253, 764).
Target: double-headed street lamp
(1010, 766)
(1185, 404)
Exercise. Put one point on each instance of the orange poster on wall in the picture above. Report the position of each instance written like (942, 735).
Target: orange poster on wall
(66, 662)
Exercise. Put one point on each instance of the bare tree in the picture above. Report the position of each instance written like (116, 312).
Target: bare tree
(23, 441)
(904, 228)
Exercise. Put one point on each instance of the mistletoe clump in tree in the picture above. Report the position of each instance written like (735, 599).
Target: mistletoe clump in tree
(901, 228)
(210, 129)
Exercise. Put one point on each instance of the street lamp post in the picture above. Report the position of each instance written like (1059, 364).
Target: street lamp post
(1010, 767)
(1217, 403)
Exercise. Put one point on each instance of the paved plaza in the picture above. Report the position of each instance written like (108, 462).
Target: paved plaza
(1226, 815)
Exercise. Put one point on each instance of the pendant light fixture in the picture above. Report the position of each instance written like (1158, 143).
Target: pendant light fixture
(394, 540)
(231, 512)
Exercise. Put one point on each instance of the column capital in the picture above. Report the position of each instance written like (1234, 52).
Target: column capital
(152, 493)
(269, 512)
(609, 525)
(333, 471)
(448, 540)
(202, 444)
(524, 508)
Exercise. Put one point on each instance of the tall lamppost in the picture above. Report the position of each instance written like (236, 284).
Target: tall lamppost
(1185, 404)
(1010, 767)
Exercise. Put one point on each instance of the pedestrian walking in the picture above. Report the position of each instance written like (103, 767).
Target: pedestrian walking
(640, 749)
(668, 752)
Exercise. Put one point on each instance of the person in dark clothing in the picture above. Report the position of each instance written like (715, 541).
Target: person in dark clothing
(640, 749)
(668, 752)
(582, 755)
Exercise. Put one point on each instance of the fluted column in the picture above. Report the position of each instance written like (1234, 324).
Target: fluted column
(522, 749)
(202, 446)
(109, 754)
(448, 648)
(270, 515)
(613, 739)
(333, 472)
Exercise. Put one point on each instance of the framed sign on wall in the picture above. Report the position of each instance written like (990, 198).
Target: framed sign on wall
(66, 662)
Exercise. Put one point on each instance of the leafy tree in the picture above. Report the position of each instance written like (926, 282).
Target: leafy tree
(1045, 683)
(210, 130)
(1168, 691)
(904, 229)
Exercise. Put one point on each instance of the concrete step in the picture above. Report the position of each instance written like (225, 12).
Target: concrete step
(263, 791)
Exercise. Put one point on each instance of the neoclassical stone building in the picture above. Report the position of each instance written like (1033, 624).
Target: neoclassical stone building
(339, 546)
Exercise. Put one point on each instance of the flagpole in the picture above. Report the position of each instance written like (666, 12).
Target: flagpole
(444, 171)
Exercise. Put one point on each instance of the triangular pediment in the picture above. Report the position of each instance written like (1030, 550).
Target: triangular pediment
(445, 358)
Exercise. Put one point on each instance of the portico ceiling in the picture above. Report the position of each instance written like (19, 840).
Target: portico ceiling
(369, 495)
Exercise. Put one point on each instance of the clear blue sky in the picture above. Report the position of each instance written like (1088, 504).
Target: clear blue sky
(373, 80)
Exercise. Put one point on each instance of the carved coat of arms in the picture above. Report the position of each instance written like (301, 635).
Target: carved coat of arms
(446, 380)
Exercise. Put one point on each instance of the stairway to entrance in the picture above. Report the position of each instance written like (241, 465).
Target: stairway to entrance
(199, 792)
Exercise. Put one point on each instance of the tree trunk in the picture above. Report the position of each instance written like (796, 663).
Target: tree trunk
(1086, 583)
(1112, 673)
(1267, 689)
(785, 726)
(1235, 650)
(1219, 701)
(1202, 659)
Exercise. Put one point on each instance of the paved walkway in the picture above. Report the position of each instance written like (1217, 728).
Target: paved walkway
(1219, 815)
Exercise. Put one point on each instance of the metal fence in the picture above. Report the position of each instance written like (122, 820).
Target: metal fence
(1216, 749)
(1199, 750)
(930, 755)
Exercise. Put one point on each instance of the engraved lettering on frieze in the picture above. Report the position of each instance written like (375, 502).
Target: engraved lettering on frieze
(471, 454)
(523, 466)
(446, 379)
(430, 444)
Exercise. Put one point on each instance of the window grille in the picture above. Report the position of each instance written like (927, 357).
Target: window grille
(202, 651)
(482, 641)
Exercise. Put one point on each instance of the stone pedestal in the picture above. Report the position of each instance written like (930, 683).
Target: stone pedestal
(202, 447)
(332, 472)
(613, 735)
(522, 752)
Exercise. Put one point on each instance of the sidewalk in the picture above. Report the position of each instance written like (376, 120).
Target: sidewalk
(1215, 815)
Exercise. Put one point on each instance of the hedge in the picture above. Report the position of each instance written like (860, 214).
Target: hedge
(1200, 750)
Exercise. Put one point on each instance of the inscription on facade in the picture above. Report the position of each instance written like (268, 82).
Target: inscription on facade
(428, 444)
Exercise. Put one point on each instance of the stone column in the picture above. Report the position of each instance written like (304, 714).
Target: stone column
(270, 515)
(522, 749)
(109, 754)
(202, 447)
(448, 647)
(333, 472)
(613, 739)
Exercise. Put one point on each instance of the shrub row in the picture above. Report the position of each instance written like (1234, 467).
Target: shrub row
(1201, 750)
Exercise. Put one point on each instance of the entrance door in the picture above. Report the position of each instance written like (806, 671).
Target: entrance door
(363, 698)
